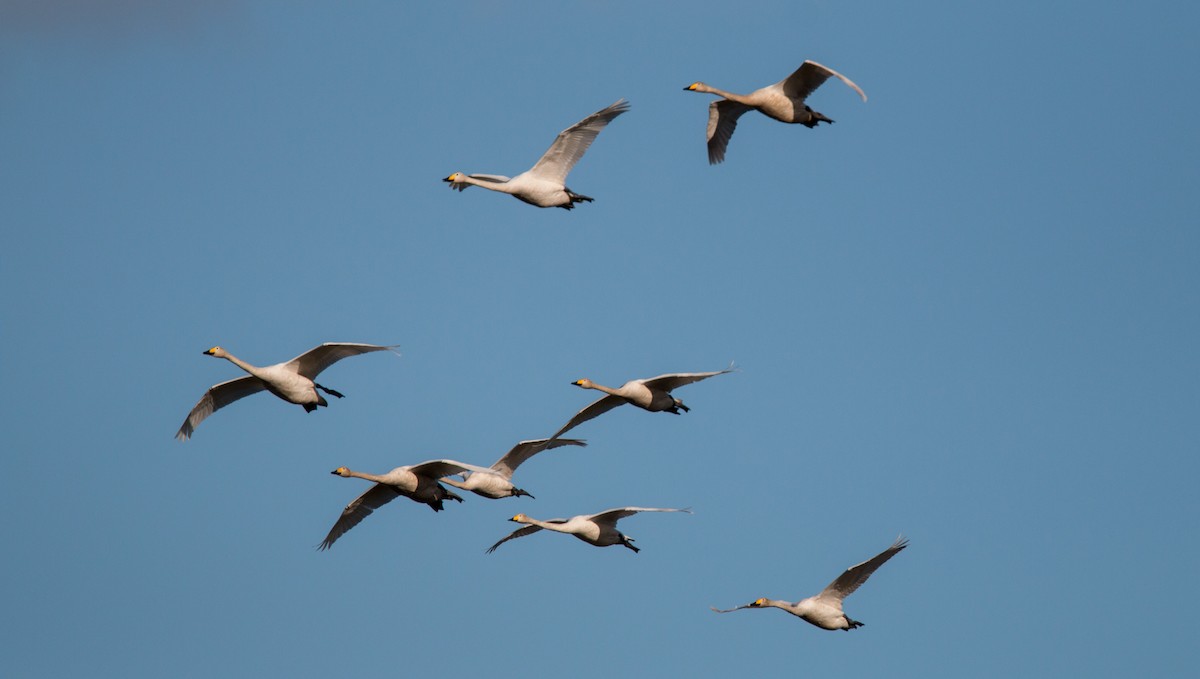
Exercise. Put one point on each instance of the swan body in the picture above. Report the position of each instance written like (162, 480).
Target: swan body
(417, 482)
(291, 381)
(496, 482)
(653, 394)
(595, 529)
(784, 101)
(825, 609)
(544, 185)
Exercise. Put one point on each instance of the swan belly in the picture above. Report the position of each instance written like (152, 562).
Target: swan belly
(593, 534)
(290, 387)
(779, 107)
(644, 397)
(822, 615)
(537, 191)
(488, 485)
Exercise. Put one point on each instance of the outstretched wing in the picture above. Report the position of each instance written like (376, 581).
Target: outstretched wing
(377, 496)
(217, 397)
(520, 533)
(730, 610)
(809, 77)
(723, 117)
(527, 449)
(436, 469)
(611, 516)
(594, 410)
(312, 362)
(676, 380)
(856, 575)
(573, 142)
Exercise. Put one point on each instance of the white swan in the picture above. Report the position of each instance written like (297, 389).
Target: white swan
(543, 184)
(291, 381)
(418, 482)
(825, 609)
(497, 483)
(653, 394)
(783, 101)
(595, 529)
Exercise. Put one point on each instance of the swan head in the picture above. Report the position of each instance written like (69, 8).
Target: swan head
(757, 603)
(341, 471)
(520, 518)
(695, 87)
(457, 176)
(216, 351)
(584, 383)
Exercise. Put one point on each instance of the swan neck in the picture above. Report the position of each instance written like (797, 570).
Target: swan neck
(253, 370)
(607, 390)
(368, 477)
(501, 187)
(728, 95)
(543, 524)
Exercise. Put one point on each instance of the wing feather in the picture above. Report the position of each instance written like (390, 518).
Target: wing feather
(527, 449)
(614, 515)
(217, 397)
(811, 75)
(436, 469)
(856, 575)
(520, 533)
(312, 362)
(573, 142)
(723, 117)
(592, 411)
(675, 380)
(376, 496)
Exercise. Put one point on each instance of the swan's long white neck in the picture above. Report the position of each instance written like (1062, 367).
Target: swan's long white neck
(369, 477)
(252, 369)
(601, 387)
(502, 187)
(728, 95)
(557, 527)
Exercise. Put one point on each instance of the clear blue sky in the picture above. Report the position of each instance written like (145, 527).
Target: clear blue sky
(966, 312)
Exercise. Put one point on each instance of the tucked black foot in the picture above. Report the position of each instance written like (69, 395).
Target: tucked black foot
(575, 198)
(309, 407)
(329, 391)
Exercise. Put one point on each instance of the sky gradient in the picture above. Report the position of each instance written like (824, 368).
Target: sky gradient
(966, 312)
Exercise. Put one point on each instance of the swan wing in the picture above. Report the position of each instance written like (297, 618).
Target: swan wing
(217, 397)
(436, 469)
(729, 610)
(856, 575)
(676, 380)
(594, 410)
(809, 77)
(520, 533)
(489, 178)
(312, 362)
(723, 117)
(573, 142)
(527, 449)
(612, 516)
(377, 496)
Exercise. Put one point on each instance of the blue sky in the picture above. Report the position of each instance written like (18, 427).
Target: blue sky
(966, 312)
